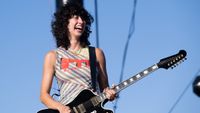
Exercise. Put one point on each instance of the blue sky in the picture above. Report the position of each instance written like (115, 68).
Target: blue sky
(162, 28)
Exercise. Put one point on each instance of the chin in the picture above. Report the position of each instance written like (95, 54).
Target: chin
(79, 34)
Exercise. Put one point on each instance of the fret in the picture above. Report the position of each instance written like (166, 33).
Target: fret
(125, 83)
(131, 79)
(145, 72)
(138, 76)
(117, 88)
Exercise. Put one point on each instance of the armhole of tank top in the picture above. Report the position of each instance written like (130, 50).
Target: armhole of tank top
(54, 65)
(87, 50)
(57, 57)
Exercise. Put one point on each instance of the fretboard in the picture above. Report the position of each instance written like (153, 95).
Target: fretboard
(135, 78)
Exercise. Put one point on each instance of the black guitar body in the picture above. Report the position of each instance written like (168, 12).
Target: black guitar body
(83, 97)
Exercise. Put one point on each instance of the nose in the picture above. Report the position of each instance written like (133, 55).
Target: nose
(80, 20)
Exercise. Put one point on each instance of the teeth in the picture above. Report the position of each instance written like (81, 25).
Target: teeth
(78, 27)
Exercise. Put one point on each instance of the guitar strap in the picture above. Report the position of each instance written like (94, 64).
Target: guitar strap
(92, 58)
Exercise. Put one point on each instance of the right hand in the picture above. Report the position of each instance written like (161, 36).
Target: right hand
(64, 109)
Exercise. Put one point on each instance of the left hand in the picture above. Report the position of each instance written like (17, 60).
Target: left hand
(110, 93)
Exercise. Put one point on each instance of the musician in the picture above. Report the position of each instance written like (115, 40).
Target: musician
(69, 62)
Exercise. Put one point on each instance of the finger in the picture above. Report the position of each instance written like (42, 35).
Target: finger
(110, 94)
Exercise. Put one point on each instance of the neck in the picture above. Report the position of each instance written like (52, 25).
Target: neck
(74, 44)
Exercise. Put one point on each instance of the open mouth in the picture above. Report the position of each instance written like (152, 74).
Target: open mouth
(79, 28)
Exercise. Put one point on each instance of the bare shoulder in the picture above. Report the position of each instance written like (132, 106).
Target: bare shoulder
(99, 51)
(50, 56)
(99, 54)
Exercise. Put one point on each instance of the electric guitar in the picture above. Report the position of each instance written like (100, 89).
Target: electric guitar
(87, 101)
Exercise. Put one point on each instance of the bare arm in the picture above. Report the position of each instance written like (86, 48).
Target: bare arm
(47, 79)
(101, 63)
(103, 77)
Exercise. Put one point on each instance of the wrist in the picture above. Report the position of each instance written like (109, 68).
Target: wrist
(60, 107)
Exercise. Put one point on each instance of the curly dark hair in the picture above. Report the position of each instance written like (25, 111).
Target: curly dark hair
(60, 21)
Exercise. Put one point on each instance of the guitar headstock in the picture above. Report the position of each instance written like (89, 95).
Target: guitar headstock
(172, 61)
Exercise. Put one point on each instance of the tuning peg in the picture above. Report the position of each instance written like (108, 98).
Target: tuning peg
(182, 55)
(180, 61)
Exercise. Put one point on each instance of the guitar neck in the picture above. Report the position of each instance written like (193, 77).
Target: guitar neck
(135, 78)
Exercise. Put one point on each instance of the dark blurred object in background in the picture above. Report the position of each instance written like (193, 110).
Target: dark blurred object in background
(60, 3)
(196, 86)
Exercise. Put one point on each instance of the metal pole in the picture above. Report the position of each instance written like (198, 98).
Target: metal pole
(96, 22)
